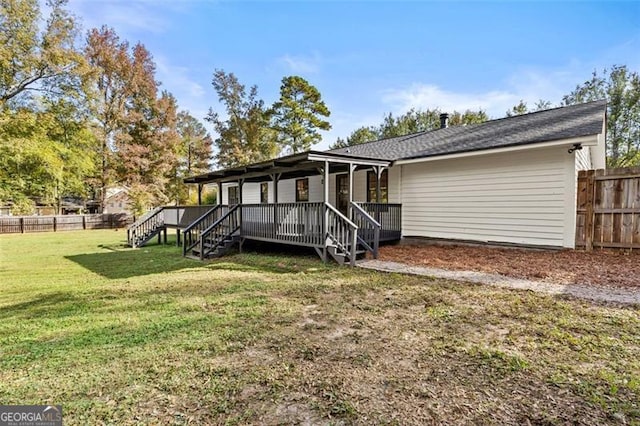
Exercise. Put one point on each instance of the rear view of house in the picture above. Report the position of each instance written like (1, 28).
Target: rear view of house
(511, 180)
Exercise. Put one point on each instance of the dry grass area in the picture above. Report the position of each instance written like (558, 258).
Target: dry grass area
(121, 336)
(600, 267)
(404, 350)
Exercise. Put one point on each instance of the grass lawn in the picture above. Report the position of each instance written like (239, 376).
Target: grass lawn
(121, 336)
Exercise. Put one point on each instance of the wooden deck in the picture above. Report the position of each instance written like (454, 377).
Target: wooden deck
(302, 223)
(206, 229)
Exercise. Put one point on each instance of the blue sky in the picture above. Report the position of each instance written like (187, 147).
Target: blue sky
(368, 58)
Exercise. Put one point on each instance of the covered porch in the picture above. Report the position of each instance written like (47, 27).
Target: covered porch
(342, 227)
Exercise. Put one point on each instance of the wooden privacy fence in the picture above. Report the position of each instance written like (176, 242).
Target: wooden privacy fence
(608, 209)
(22, 224)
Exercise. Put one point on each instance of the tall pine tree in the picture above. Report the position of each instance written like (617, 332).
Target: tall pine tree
(299, 115)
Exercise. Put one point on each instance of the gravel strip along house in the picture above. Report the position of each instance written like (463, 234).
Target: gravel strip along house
(511, 180)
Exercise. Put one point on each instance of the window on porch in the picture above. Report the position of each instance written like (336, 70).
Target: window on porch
(264, 192)
(302, 190)
(232, 195)
(372, 187)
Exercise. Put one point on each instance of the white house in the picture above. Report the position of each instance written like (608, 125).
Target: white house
(511, 180)
(117, 200)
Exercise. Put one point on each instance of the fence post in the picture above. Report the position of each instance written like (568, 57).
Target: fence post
(55, 224)
(22, 225)
(589, 213)
(84, 222)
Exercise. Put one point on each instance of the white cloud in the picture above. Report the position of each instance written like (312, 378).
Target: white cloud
(178, 79)
(423, 96)
(302, 64)
(125, 16)
(526, 84)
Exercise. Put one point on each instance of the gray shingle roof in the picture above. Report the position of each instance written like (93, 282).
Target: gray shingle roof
(543, 126)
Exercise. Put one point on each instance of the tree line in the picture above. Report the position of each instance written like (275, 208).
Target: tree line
(80, 113)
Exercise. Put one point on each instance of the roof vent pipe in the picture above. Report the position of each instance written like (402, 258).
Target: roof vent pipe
(444, 120)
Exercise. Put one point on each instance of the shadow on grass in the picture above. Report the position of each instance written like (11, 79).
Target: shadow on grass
(62, 304)
(118, 261)
(127, 263)
(258, 262)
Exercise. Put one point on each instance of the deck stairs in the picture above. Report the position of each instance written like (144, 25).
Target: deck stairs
(348, 241)
(214, 248)
(147, 227)
(342, 255)
(214, 234)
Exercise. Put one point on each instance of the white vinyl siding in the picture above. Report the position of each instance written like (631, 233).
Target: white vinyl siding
(520, 198)
(583, 158)
(316, 191)
(251, 193)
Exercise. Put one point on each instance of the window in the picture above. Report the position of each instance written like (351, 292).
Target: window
(372, 187)
(232, 193)
(264, 192)
(302, 190)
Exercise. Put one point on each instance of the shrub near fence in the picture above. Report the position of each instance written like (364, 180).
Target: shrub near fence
(22, 224)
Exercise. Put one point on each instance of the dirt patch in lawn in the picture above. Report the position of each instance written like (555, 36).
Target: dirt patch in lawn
(601, 267)
(437, 354)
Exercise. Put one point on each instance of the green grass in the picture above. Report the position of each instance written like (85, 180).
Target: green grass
(122, 336)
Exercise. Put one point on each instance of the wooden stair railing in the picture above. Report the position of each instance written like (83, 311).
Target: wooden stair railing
(368, 229)
(341, 236)
(191, 234)
(220, 235)
(145, 228)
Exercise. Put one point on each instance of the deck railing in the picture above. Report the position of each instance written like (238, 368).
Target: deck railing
(291, 223)
(342, 233)
(222, 229)
(389, 216)
(310, 224)
(192, 233)
(368, 229)
(147, 225)
(183, 216)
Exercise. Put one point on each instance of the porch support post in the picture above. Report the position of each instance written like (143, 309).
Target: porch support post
(240, 185)
(379, 170)
(275, 178)
(326, 181)
(219, 194)
(325, 224)
(200, 194)
(352, 169)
